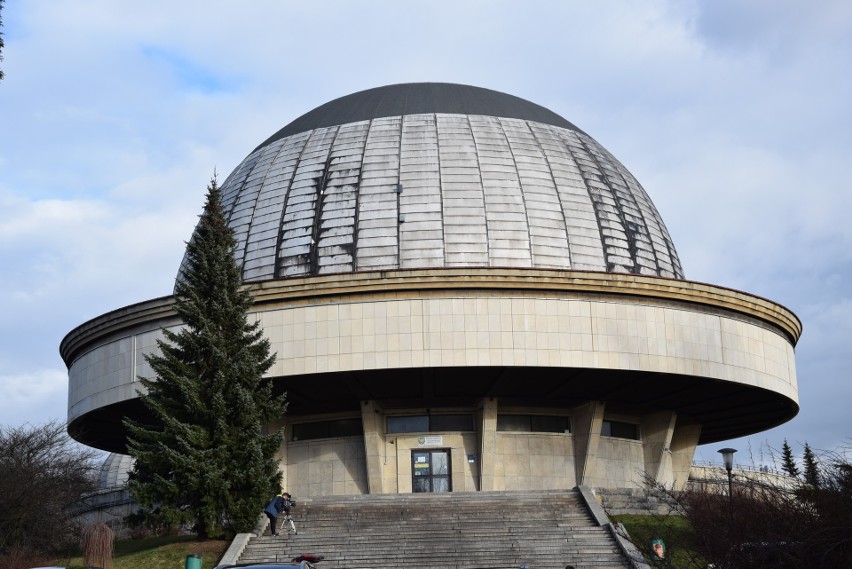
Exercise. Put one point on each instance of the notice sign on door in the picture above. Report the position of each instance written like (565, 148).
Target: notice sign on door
(431, 441)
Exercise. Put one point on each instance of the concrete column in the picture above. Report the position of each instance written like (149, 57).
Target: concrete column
(371, 417)
(487, 444)
(684, 442)
(657, 430)
(587, 420)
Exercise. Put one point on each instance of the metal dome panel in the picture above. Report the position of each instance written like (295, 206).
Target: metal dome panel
(438, 189)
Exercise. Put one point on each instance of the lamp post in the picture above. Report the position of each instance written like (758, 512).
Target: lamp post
(728, 459)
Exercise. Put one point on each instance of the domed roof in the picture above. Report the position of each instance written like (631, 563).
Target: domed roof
(436, 175)
(115, 471)
(419, 98)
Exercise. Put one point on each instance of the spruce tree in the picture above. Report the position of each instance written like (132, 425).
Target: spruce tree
(788, 463)
(204, 457)
(811, 466)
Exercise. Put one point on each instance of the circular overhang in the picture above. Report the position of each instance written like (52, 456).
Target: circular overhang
(717, 357)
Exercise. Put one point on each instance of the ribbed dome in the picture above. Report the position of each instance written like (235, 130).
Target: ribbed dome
(435, 175)
(115, 471)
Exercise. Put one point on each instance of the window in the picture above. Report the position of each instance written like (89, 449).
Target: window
(409, 424)
(430, 423)
(430, 470)
(459, 422)
(327, 429)
(620, 430)
(534, 423)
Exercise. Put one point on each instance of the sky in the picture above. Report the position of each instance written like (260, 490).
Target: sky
(734, 115)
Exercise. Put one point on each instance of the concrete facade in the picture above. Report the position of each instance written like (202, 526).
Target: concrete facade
(496, 273)
(653, 331)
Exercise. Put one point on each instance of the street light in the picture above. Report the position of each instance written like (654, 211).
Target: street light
(728, 459)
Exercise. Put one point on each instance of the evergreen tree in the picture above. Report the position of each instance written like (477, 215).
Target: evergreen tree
(811, 466)
(788, 464)
(204, 457)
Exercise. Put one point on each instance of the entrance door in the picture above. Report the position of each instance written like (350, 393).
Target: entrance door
(430, 470)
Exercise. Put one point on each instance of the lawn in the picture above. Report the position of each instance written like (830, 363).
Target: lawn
(167, 552)
(676, 533)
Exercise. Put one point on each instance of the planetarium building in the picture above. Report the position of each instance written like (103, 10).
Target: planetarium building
(465, 292)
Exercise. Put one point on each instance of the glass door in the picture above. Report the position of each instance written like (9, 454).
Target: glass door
(430, 470)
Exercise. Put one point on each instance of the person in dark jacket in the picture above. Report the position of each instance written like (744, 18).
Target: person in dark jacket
(280, 503)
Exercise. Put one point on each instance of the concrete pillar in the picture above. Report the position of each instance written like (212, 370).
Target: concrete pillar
(683, 445)
(657, 430)
(487, 444)
(371, 418)
(587, 420)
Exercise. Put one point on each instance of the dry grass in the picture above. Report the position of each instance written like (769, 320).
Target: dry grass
(159, 553)
(96, 543)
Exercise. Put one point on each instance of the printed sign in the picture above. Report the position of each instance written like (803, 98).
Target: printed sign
(430, 441)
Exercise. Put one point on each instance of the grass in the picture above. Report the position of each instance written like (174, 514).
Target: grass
(162, 552)
(675, 531)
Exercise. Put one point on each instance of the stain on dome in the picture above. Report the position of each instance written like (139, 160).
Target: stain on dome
(437, 175)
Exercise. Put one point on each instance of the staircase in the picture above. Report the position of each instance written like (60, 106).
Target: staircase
(637, 501)
(541, 529)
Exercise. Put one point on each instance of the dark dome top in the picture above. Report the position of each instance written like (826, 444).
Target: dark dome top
(418, 98)
(434, 175)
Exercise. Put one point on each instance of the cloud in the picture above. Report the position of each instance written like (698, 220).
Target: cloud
(734, 116)
(772, 26)
(33, 397)
(188, 74)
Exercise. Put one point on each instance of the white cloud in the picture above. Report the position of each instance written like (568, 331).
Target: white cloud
(33, 397)
(733, 115)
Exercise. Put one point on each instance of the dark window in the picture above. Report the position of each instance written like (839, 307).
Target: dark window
(462, 422)
(430, 423)
(620, 430)
(534, 423)
(409, 424)
(327, 429)
(549, 424)
(513, 422)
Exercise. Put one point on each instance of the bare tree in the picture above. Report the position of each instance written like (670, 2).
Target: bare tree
(769, 520)
(43, 472)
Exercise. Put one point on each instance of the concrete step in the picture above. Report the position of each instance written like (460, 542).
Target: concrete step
(638, 501)
(464, 530)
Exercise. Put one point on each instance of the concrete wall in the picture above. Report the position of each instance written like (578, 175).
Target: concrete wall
(397, 470)
(521, 461)
(495, 318)
(326, 467)
(501, 329)
(715, 478)
(110, 507)
(534, 461)
(620, 463)
(485, 328)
